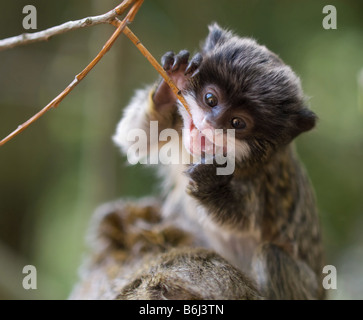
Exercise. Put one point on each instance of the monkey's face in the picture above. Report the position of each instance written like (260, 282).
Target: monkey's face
(214, 126)
(242, 86)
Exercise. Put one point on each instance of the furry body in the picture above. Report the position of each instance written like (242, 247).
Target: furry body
(260, 222)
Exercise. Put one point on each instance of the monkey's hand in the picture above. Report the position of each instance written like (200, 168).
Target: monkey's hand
(217, 194)
(180, 70)
(205, 184)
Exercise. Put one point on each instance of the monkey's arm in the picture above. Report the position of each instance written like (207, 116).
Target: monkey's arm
(156, 106)
(222, 196)
(136, 121)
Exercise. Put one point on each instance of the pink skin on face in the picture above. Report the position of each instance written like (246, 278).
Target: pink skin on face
(199, 136)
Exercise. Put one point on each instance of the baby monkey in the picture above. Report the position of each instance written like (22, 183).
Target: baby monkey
(260, 219)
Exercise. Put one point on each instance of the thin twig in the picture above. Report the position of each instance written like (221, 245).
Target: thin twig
(55, 102)
(45, 35)
(157, 66)
(110, 18)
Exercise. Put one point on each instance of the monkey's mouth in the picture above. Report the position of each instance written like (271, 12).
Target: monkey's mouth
(194, 139)
(200, 138)
(199, 142)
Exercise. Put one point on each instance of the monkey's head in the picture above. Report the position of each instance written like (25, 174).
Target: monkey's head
(242, 85)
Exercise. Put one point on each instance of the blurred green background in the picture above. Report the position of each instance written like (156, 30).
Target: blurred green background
(59, 170)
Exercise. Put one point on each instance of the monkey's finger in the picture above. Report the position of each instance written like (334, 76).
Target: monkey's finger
(167, 60)
(181, 58)
(194, 64)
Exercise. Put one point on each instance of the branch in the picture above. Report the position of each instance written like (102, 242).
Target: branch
(110, 18)
(55, 102)
(45, 35)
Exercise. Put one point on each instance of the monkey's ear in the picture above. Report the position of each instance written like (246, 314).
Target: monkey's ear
(304, 120)
(216, 35)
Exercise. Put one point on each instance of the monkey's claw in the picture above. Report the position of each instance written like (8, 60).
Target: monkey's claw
(192, 188)
(181, 58)
(194, 64)
(172, 62)
(167, 60)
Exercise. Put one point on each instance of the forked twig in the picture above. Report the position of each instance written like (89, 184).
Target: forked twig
(55, 102)
(45, 35)
(111, 18)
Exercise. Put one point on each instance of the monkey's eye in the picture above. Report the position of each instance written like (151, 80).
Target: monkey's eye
(238, 123)
(210, 99)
